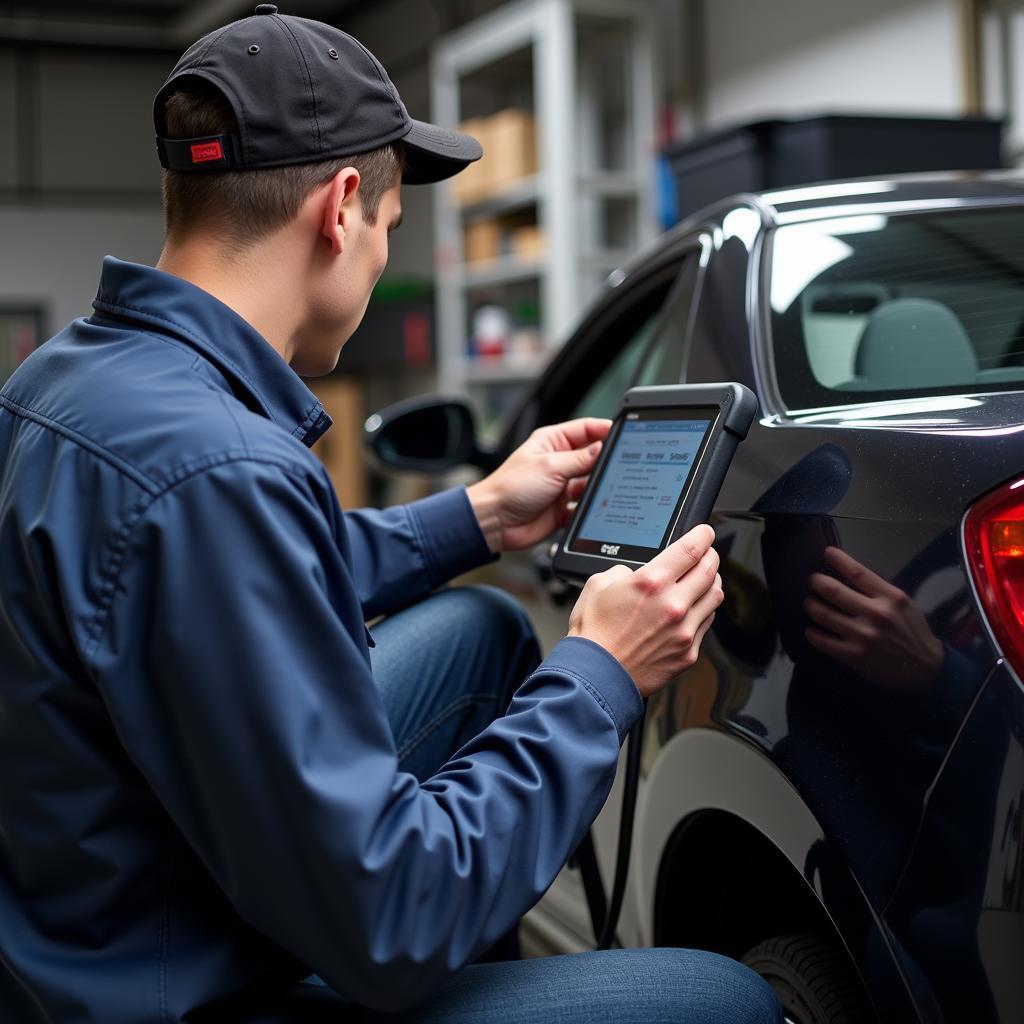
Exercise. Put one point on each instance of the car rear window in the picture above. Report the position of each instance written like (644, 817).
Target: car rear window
(873, 306)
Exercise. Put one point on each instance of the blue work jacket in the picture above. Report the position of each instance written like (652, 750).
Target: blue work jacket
(200, 802)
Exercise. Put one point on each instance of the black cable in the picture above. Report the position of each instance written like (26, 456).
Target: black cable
(629, 790)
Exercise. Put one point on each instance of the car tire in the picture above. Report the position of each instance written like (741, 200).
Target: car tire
(812, 978)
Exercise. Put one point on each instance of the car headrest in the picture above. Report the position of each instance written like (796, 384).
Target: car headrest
(914, 343)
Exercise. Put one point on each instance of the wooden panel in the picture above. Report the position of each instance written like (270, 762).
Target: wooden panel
(341, 448)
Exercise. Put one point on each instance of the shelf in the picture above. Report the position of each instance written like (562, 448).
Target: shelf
(524, 193)
(611, 185)
(507, 270)
(582, 69)
(605, 259)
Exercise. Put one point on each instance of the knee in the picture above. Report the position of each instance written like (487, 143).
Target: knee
(741, 995)
(488, 611)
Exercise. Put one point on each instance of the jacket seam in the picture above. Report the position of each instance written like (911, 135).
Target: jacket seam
(434, 575)
(111, 572)
(114, 460)
(225, 400)
(593, 691)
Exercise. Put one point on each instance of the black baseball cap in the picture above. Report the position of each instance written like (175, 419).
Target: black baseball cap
(302, 91)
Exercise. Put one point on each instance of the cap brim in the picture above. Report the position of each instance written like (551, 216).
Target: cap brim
(433, 154)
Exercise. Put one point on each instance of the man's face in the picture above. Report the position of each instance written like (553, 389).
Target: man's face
(344, 293)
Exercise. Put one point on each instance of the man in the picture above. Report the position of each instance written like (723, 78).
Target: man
(206, 797)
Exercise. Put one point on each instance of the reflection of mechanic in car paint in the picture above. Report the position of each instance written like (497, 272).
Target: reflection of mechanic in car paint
(873, 706)
(881, 636)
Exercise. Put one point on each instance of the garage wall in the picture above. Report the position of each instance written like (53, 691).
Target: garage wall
(50, 256)
(806, 56)
(786, 57)
(80, 179)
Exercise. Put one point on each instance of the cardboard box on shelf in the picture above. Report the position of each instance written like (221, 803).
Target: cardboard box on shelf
(472, 184)
(512, 136)
(529, 242)
(483, 240)
(509, 140)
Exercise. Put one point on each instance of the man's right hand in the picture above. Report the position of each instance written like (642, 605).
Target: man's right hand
(653, 620)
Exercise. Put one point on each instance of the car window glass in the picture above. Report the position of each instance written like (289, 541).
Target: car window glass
(871, 306)
(604, 395)
(653, 353)
(663, 360)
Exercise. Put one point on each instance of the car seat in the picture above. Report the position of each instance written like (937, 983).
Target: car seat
(913, 343)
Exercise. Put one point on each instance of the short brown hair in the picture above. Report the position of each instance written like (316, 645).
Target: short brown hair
(250, 205)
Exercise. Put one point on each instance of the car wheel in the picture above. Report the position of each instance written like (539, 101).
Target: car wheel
(812, 978)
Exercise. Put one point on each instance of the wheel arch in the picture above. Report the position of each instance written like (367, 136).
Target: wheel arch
(729, 850)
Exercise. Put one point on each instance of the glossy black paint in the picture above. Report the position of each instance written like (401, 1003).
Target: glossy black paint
(918, 790)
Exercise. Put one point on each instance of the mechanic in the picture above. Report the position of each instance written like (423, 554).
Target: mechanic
(210, 808)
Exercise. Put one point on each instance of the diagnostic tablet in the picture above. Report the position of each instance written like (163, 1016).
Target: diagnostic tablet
(658, 474)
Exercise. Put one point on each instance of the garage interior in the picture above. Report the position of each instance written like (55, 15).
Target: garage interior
(605, 124)
(78, 178)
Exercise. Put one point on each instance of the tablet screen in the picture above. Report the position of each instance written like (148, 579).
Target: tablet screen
(637, 499)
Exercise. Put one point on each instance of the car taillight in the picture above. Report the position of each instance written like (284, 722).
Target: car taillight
(994, 537)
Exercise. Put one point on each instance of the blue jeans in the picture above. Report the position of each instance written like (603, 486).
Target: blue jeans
(446, 667)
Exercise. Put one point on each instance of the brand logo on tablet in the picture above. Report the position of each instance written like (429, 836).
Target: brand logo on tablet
(610, 549)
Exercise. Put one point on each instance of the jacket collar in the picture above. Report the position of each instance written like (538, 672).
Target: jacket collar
(149, 296)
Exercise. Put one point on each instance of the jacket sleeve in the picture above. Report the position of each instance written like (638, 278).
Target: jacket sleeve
(235, 666)
(403, 553)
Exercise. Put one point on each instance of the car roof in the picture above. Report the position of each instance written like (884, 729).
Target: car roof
(961, 185)
(830, 198)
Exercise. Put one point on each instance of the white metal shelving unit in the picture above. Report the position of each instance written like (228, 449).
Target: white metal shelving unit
(588, 67)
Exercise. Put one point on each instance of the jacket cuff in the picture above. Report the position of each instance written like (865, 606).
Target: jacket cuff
(604, 678)
(449, 535)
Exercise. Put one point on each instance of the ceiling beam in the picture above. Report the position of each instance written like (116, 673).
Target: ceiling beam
(203, 16)
(68, 32)
(197, 18)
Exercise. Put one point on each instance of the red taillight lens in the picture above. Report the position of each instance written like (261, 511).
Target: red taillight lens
(994, 535)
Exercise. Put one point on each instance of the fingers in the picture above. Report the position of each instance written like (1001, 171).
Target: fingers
(838, 623)
(705, 604)
(576, 433)
(701, 631)
(680, 557)
(608, 577)
(576, 487)
(833, 592)
(692, 652)
(575, 463)
(859, 575)
(831, 645)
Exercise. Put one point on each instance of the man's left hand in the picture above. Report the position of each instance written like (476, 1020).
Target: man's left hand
(531, 494)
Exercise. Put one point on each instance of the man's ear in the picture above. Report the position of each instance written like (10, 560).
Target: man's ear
(341, 204)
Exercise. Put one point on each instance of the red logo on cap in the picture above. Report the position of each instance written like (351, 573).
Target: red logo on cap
(205, 151)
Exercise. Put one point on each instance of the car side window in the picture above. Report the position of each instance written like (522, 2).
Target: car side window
(653, 354)
(663, 361)
(604, 394)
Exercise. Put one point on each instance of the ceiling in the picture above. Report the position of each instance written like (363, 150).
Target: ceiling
(143, 24)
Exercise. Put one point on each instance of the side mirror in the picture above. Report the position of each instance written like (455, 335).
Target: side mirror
(426, 435)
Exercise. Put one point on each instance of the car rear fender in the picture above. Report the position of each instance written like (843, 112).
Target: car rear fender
(705, 783)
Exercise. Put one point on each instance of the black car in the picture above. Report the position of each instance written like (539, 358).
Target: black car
(835, 793)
